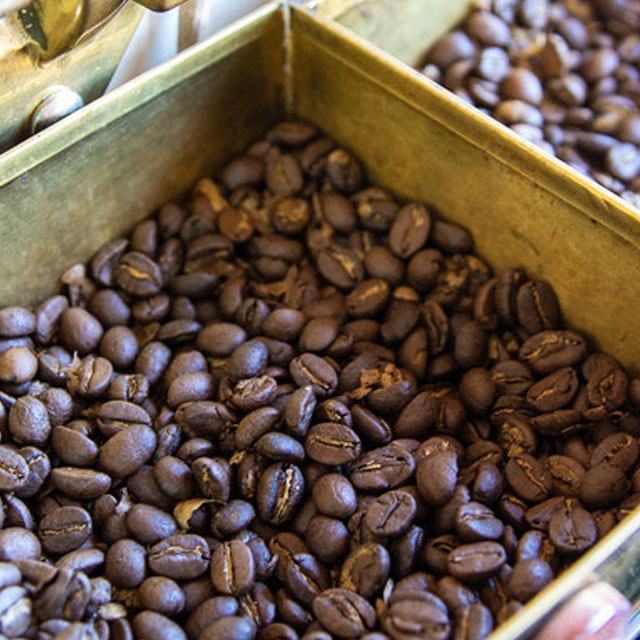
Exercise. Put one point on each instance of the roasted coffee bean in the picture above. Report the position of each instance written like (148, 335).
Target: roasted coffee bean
(477, 561)
(422, 612)
(14, 470)
(213, 477)
(528, 478)
(566, 474)
(125, 564)
(572, 529)
(64, 529)
(391, 514)
(436, 477)
(232, 568)
(149, 524)
(528, 578)
(382, 469)
(280, 490)
(475, 522)
(603, 486)
(366, 569)
(179, 557)
(619, 449)
(29, 421)
(554, 391)
(344, 613)
(332, 444)
(126, 451)
(309, 369)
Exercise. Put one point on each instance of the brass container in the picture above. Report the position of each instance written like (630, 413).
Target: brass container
(95, 174)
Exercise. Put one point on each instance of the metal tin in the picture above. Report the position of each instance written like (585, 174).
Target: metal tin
(93, 175)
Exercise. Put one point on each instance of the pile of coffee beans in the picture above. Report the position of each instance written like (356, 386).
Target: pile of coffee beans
(562, 73)
(296, 408)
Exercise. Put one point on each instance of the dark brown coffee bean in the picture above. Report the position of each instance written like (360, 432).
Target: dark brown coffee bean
(220, 339)
(475, 522)
(332, 444)
(16, 321)
(243, 171)
(619, 449)
(488, 28)
(391, 514)
(150, 624)
(230, 628)
(213, 477)
(475, 562)
(310, 369)
(368, 298)
(180, 557)
(528, 478)
(548, 351)
(149, 524)
(410, 230)
(14, 470)
(79, 330)
(125, 564)
(80, 484)
(436, 477)
(528, 578)
(603, 486)
(64, 529)
(232, 568)
(280, 490)
(566, 473)
(344, 613)
(126, 451)
(366, 569)
(477, 390)
(554, 391)
(572, 529)
(422, 612)
(537, 306)
(340, 266)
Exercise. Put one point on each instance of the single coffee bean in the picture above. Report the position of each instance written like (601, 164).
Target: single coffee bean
(477, 561)
(126, 451)
(64, 529)
(475, 522)
(125, 564)
(179, 557)
(422, 612)
(603, 486)
(332, 444)
(436, 477)
(528, 578)
(232, 568)
(280, 490)
(29, 421)
(310, 369)
(528, 478)
(14, 470)
(344, 613)
(150, 624)
(366, 569)
(572, 529)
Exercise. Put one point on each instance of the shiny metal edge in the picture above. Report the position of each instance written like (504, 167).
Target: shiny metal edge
(486, 133)
(138, 91)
